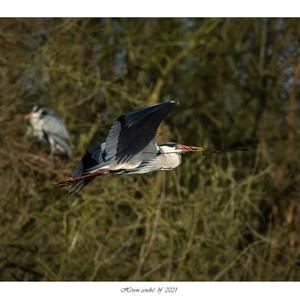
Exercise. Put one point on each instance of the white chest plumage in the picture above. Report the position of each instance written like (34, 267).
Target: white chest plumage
(168, 161)
(37, 126)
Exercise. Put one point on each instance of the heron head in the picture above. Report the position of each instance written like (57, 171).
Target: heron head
(172, 147)
(36, 113)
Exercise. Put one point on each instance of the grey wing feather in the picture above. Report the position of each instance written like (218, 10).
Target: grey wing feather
(135, 133)
(54, 127)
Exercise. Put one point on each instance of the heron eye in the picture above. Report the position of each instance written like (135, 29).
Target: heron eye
(44, 113)
(171, 144)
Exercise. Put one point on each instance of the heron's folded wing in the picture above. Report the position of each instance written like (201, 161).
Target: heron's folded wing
(133, 135)
(55, 126)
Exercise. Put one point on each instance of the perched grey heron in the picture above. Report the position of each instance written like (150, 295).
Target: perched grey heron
(48, 127)
(130, 148)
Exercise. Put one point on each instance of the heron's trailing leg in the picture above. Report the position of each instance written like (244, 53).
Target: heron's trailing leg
(71, 180)
(52, 150)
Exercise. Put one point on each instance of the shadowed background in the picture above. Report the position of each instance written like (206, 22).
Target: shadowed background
(233, 216)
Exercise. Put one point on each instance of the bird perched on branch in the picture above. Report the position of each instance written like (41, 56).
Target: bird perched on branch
(130, 148)
(48, 127)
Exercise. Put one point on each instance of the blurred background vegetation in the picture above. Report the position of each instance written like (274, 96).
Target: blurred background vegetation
(234, 216)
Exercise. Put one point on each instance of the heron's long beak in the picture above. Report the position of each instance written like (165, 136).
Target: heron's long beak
(197, 149)
(28, 116)
(188, 148)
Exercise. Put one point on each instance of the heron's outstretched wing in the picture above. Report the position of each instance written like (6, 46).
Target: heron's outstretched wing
(133, 135)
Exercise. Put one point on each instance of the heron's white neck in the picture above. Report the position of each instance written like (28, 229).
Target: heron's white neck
(169, 158)
(166, 149)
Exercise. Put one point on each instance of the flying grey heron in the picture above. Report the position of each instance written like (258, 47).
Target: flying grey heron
(130, 148)
(48, 127)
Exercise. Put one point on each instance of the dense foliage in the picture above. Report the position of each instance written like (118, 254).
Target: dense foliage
(221, 217)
